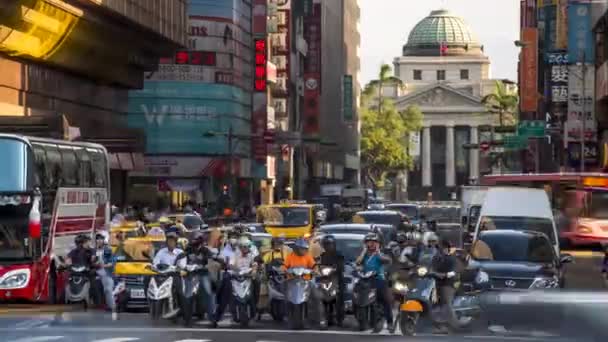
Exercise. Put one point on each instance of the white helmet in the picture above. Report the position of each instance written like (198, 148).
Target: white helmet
(428, 237)
(244, 242)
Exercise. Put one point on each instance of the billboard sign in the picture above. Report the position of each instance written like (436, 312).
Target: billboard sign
(581, 103)
(312, 72)
(259, 116)
(561, 23)
(529, 70)
(580, 33)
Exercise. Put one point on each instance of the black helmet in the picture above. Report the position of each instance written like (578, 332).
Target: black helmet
(197, 238)
(82, 238)
(371, 237)
(401, 237)
(99, 236)
(171, 235)
(328, 240)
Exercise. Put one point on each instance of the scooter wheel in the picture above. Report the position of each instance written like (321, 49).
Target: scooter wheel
(407, 325)
(362, 318)
(243, 312)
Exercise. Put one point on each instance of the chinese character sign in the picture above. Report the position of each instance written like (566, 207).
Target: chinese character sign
(580, 33)
(529, 70)
(581, 100)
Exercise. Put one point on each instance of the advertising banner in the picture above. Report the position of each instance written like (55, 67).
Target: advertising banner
(312, 72)
(558, 88)
(529, 70)
(561, 30)
(580, 33)
(259, 116)
(581, 103)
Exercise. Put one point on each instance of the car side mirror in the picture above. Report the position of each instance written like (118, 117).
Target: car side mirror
(566, 258)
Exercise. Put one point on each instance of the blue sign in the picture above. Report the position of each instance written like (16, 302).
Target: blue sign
(580, 34)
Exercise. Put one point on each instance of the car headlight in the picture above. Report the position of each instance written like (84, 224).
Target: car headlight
(482, 277)
(422, 271)
(584, 230)
(16, 279)
(545, 283)
(400, 287)
(325, 271)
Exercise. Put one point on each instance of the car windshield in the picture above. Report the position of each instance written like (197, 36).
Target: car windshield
(349, 248)
(441, 215)
(13, 176)
(13, 232)
(193, 222)
(386, 218)
(285, 216)
(598, 208)
(137, 250)
(344, 230)
(516, 248)
(535, 224)
(408, 210)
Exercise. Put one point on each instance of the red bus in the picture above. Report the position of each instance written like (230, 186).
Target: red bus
(579, 200)
(50, 191)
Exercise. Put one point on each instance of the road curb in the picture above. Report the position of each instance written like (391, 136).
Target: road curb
(43, 309)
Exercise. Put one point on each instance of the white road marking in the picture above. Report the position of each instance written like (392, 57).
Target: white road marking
(38, 339)
(194, 341)
(30, 324)
(118, 339)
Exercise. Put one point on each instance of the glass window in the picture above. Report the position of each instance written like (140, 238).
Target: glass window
(13, 231)
(516, 248)
(408, 210)
(598, 208)
(40, 165)
(70, 166)
(464, 74)
(84, 167)
(440, 75)
(417, 75)
(98, 162)
(349, 248)
(13, 154)
(53, 167)
(534, 224)
(286, 216)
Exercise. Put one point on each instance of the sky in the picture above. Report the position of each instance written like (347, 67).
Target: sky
(386, 24)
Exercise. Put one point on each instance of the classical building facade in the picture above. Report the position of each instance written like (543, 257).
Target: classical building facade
(446, 74)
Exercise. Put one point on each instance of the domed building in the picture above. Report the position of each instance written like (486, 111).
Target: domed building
(444, 72)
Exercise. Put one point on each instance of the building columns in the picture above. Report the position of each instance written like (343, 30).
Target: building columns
(474, 155)
(426, 156)
(450, 165)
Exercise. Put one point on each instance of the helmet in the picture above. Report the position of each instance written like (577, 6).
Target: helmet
(371, 237)
(82, 238)
(173, 229)
(402, 237)
(328, 240)
(164, 220)
(197, 238)
(429, 237)
(279, 240)
(244, 242)
(171, 235)
(301, 243)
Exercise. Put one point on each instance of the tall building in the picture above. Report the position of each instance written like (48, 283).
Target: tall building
(446, 74)
(331, 94)
(66, 68)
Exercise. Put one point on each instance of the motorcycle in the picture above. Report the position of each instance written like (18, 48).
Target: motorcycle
(298, 291)
(242, 292)
(422, 299)
(366, 308)
(327, 285)
(193, 299)
(79, 286)
(276, 293)
(161, 298)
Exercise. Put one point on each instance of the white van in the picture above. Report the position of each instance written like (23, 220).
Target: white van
(517, 208)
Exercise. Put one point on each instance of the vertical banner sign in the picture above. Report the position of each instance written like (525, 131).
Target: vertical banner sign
(280, 42)
(259, 119)
(580, 33)
(561, 30)
(558, 88)
(529, 70)
(581, 103)
(348, 112)
(312, 72)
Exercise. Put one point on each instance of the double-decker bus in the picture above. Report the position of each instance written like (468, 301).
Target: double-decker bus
(579, 200)
(50, 192)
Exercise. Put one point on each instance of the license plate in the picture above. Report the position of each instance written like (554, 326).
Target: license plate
(138, 293)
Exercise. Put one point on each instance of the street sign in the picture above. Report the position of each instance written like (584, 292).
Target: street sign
(531, 128)
(484, 146)
(515, 142)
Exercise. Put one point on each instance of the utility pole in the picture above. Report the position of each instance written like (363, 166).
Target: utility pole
(584, 116)
(230, 159)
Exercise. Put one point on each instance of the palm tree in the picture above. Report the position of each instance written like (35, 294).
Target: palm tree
(502, 101)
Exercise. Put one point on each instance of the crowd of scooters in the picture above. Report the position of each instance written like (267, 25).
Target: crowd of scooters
(419, 272)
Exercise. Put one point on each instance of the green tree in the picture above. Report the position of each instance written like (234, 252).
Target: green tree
(504, 102)
(385, 131)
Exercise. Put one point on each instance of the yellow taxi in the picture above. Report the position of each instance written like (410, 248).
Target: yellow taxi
(290, 219)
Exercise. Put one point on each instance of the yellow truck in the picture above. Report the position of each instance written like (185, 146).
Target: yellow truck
(291, 220)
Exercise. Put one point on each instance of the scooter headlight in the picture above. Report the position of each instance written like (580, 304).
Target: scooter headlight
(326, 271)
(422, 271)
(400, 287)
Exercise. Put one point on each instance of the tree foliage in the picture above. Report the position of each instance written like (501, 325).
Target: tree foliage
(385, 131)
(504, 102)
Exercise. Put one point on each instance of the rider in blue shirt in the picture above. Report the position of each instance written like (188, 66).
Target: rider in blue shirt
(372, 260)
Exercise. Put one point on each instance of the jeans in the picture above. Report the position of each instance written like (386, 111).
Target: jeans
(446, 310)
(107, 282)
(384, 296)
(206, 292)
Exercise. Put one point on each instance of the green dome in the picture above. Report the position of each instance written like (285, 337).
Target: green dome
(439, 27)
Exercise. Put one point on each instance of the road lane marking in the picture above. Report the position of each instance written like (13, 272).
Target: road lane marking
(190, 340)
(38, 339)
(118, 339)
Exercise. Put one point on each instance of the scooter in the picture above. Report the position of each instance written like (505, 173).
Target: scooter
(161, 298)
(242, 292)
(327, 285)
(276, 292)
(365, 304)
(193, 299)
(297, 293)
(79, 286)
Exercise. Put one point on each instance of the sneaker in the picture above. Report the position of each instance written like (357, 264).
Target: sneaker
(391, 327)
(213, 324)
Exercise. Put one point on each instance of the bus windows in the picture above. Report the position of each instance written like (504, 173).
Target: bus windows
(84, 168)
(70, 166)
(98, 162)
(53, 167)
(40, 166)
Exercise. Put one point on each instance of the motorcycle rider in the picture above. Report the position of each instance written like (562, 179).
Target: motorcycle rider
(445, 268)
(231, 247)
(198, 254)
(82, 255)
(104, 270)
(237, 261)
(331, 256)
(278, 251)
(372, 260)
(169, 256)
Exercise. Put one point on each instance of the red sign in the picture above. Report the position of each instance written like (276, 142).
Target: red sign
(260, 65)
(206, 58)
(312, 72)
(484, 146)
(529, 70)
